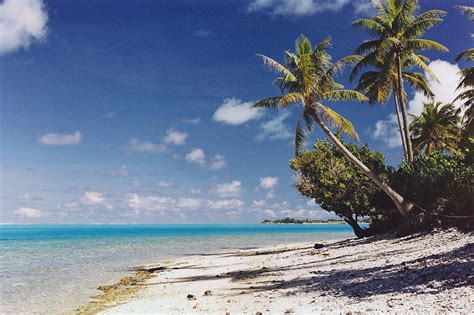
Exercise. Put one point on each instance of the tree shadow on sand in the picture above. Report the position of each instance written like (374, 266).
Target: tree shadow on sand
(427, 275)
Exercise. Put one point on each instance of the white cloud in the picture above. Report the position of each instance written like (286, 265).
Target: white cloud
(444, 90)
(122, 171)
(268, 182)
(29, 213)
(21, 23)
(232, 189)
(93, 198)
(150, 203)
(145, 146)
(225, 204)
(195, 191)
(175, 137)
(275, 129)
(153, 203)
(203, 33)
(110, 115)
(387, 131)
(190, 203)
(217, 162)
(269, 212)
(447, 73)
(270, 194)
(259, 203)
(305, 7)
(192, 121)
(165, 184)
(235, 112)
(196, 156)
(58, 139)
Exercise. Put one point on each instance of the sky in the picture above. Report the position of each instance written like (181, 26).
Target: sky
(138, 111)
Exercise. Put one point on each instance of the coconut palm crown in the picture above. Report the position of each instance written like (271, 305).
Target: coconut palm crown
(437, 127)
(466, 85)
(307, 80)
(397, 32)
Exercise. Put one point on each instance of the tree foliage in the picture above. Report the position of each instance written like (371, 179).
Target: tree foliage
(338, 186)
(437, 127)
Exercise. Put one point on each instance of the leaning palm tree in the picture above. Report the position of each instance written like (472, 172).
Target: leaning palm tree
(374, 85)
(467, 82)
(398, 30)
(308, 80)
(437, 127)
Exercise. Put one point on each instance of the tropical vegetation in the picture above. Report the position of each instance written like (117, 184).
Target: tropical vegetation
(308, 80)
(394, 50)
(437, 127)
(433, 186)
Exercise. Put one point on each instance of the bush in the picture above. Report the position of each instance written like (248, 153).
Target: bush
(442, 184)
(338, 186)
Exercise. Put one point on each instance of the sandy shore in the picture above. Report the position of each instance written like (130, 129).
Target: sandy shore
(417, 274)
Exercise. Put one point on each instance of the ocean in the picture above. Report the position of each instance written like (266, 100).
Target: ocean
(53, 269)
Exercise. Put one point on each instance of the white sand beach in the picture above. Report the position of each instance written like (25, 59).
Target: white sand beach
(423, 274)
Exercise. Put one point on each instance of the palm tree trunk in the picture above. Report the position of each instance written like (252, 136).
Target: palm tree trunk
(404, 111)
(403, 205)
(400, 127)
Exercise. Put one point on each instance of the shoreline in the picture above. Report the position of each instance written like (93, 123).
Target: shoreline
(379, 274)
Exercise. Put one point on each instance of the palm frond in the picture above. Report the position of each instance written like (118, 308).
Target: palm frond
(336, 120)
(276, 66)
(290, 98)
(343, 95)
(270, 102)
(468, 54)
(423, 44)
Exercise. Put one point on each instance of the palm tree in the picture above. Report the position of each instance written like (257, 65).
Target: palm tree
(437, 127)
(467, 83)
(308, 80)
(373, 84)
(398, 30)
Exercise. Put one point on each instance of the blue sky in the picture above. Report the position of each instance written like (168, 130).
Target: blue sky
(136, 111)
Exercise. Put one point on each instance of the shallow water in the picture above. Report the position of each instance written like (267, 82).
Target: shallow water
(52, 269)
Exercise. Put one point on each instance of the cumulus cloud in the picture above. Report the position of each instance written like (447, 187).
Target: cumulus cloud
(22, 22)
(93, 198)
(57, 139)
(269, 212)
(165, 184)
(305, 7)
(29, 213)
(447, 73)
(136, 145)
(150, 203)
(275, 129)
(259, 203)
(225, 204)
(232, 189)
(175, 137)
(122, 171)
(154, 203)
(192, 121)
(268, 182)
(196, 156)
(235, 112)
(217, 162)
(387, 131)
(444, 90)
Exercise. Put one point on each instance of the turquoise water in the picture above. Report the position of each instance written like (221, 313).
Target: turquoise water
(53, 269)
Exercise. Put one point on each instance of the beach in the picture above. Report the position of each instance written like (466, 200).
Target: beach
(430, 273)
(54, 269)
